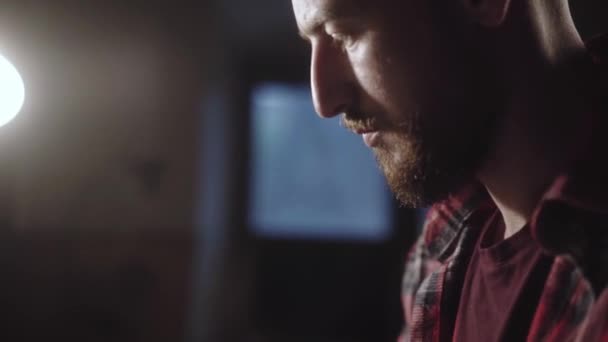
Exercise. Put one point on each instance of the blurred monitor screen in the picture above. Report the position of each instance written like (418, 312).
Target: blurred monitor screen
(310, 178)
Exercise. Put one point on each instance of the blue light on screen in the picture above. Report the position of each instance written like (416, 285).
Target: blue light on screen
(310, 177)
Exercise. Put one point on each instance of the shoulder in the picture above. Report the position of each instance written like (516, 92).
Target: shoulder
(448, 221)
(447, 224)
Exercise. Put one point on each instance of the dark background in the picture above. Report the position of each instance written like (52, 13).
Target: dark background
(123, 183)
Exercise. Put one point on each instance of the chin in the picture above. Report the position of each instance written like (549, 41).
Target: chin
(416, 183)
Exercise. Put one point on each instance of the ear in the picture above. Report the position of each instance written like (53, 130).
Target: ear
(489, 13)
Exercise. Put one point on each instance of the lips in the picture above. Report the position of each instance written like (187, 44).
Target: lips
(370, 135)
(367, 129)
(362, 131)
(371, 138)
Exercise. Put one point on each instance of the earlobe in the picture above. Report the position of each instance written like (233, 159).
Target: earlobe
(488, 13)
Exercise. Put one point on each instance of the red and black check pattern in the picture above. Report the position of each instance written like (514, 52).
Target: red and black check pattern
(570, 223)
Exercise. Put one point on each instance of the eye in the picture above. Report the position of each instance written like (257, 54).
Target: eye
(342, 40)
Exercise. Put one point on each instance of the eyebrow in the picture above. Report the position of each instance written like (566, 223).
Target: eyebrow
(341, 10)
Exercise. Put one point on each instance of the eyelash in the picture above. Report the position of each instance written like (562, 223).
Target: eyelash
(343, 41)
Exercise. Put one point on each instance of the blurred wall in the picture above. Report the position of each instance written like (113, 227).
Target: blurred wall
(108, 130)
(99, 171)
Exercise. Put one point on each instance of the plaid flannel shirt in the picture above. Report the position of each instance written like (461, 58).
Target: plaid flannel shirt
(570, 223)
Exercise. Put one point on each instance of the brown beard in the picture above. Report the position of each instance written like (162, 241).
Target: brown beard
(403, 176)
(411, 177)
(426, 157)
(425, 163)
(414, 177)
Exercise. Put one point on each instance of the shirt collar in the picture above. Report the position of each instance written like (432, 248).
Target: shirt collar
(582, 192)
(446, 219)
(568, 218)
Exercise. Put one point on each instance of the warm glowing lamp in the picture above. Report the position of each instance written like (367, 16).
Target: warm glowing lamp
(12, 91)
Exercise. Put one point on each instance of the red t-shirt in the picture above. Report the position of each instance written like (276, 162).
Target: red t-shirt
(502, 286)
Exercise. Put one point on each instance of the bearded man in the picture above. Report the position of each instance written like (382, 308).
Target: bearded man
(493, 112)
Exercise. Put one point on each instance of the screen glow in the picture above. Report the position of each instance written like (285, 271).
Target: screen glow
(311, 179)
(12, 91)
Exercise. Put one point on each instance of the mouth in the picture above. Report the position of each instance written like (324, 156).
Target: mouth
(371, 138)
(369, 134)
(368, 129)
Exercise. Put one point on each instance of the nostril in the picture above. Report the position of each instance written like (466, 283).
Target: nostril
(329, 104)
(341, 110)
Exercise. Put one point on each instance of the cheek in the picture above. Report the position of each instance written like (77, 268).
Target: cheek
(381, 79)
(370, 64)
(367, 71)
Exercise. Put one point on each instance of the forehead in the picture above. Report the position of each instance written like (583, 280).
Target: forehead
(329, 6)
(312, 13)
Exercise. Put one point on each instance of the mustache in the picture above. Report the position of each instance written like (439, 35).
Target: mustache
(359, 124)
(357, 121)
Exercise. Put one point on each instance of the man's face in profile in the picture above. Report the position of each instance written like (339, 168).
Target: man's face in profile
(413, 79)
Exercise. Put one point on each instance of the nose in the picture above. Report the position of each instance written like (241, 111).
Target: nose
(331, 81)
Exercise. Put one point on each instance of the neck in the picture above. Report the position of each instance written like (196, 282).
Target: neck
(537, 135)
